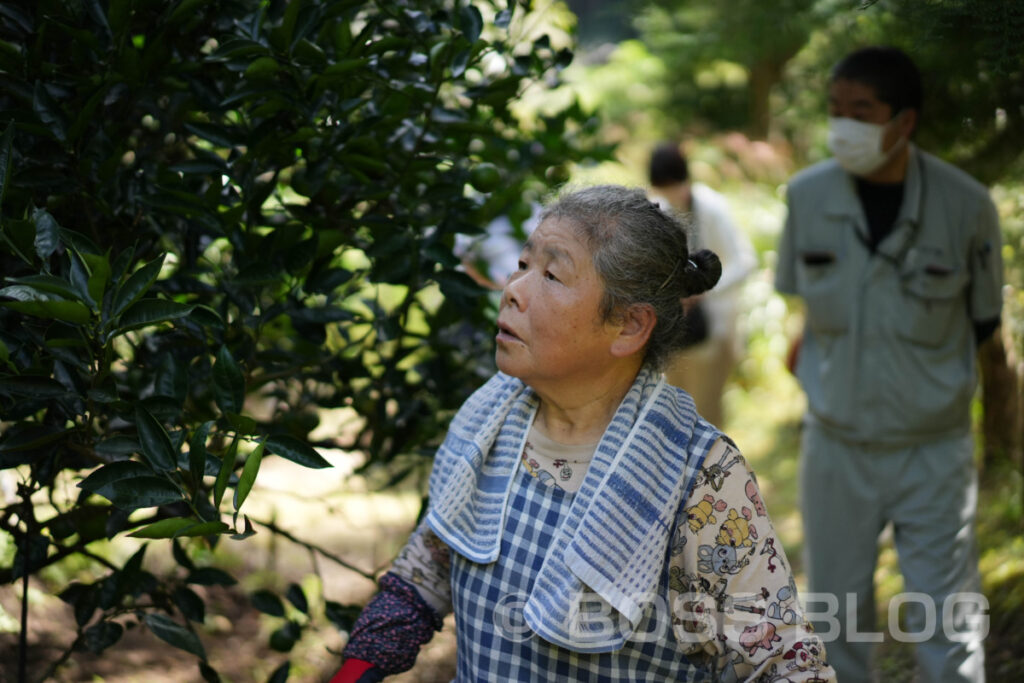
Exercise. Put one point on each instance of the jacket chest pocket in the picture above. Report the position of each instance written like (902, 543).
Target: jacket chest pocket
(823, 287)
(932, 299)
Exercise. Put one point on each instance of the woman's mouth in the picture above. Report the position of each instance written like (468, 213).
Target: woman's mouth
(505, 334)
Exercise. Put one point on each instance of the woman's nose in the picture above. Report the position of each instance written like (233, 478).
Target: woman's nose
(513, 291)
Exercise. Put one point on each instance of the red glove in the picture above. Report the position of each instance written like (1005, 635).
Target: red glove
(357, 671)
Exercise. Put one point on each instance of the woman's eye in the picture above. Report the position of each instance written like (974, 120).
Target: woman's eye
(522, 265)
(550, 276)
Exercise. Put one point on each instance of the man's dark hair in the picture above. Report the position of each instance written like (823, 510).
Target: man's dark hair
(889, 70)
(667, 166)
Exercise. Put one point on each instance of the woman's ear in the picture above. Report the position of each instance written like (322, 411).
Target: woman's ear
(636, 325)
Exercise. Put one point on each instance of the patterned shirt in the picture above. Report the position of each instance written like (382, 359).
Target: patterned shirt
(733, 612)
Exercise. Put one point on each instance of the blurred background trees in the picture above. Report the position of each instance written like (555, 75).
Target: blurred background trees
(220, 221)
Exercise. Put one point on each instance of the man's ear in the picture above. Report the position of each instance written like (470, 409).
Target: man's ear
(637, 323)
(908, 123)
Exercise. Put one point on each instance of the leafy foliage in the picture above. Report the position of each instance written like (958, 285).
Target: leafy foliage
(212, 207)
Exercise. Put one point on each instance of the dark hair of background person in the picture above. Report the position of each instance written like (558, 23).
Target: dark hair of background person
(640, 253)
(889, 70)
(667, 166)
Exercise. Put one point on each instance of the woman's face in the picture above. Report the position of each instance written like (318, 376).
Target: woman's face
(549, 326)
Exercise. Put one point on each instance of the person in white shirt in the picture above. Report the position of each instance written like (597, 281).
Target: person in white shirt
(703, 367)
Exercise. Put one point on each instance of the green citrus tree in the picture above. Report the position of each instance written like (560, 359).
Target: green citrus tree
(209, 202)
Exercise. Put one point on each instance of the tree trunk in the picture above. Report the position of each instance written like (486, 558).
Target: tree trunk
(764, 75)
(1000, 400)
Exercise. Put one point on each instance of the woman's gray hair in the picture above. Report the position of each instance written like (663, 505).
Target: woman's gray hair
(640, 253)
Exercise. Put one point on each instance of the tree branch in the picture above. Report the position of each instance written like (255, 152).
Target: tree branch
(274, 528)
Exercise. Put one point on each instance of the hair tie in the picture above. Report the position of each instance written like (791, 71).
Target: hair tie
(668, 278)
(691, 265)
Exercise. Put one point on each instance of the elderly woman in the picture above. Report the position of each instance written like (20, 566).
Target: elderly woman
(584, 522)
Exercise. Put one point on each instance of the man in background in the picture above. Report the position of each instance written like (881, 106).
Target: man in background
(704, 366)
(896, 256)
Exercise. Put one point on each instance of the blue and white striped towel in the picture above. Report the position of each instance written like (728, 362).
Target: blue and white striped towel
(614, 540)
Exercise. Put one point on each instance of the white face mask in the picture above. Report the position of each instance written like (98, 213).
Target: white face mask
(857, 145)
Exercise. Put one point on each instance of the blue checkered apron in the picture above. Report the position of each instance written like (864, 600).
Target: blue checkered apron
(494, 643)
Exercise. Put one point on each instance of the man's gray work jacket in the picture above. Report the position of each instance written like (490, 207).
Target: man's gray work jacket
(888, 351)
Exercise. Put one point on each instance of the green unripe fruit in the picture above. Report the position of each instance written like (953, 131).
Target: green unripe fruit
(485, 177)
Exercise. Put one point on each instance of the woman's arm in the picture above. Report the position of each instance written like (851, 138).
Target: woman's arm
(731, 588)
(404, 615)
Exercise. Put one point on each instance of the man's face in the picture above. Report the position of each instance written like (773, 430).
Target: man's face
(859, 101)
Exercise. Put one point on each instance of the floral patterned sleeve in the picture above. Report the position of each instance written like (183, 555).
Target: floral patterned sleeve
(425, 562)
(734, 603)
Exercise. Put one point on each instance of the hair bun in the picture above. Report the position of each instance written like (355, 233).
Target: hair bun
(704, 273)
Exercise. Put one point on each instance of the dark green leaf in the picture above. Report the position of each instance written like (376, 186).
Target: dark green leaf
(459, 287)
(136, 285)
(210, 576)
(180, 556)
(504, 17)
(227, 466)
(175, 634)
(460, 62)
(228, 382)
(156, 444)
(141, 492)
(108, 474)
(126, 581)
(117, 447)
(190, 604)
(99, 637)
(197, 452)
(48, 309)
(48, 284)
(280, 674)
(47, 234)
(297, 597)
(84, 599)
(208, 673)
(29, 560)
(290, 448)
(99, 274)
(248, 476)
(175, 527)
(171, 378)
(48, 112)
(29, 437)
(243, 424)
(150, 312)
(342, 616)
(471, 23)
(246, 533)
(284, 638)
(564, 58)
(33, 387)
(268, 603)
(218, 135)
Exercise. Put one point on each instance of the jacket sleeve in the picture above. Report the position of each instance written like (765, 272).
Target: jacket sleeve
(785, 264)
(985, 264)
(734, 603)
